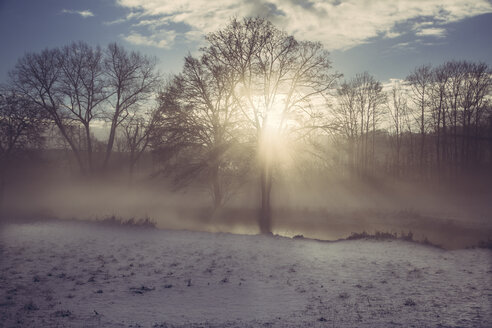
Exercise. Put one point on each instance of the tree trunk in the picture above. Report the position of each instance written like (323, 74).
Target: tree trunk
(455, 139)
(398, 150)
(373, 153)
(74, 148)
(2, 189)
(109, 147)
(89, 148)
(352, 156)
(444, 154)
(438, 140)
(131, 169)
(464, 132)
(217, 190)
(265, 215)
(422, 139)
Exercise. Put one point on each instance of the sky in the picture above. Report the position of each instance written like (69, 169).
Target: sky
(387, 38)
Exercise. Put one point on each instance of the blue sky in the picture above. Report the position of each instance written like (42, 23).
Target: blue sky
(387, 38)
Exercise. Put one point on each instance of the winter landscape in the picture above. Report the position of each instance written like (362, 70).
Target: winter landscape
(267, 163)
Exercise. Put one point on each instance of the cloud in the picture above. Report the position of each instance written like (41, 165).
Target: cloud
(164, 39)
(391, 83)
(338, 24)
(433, 31)
(83, 13)
(116, 21)
(392, 34)
(401, 45)
(429, 29)
(128, 17)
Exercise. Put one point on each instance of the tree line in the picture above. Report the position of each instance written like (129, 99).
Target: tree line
(254, 104)
(71, 87)
(437, 123)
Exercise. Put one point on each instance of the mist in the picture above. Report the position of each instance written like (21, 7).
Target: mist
(328, 209)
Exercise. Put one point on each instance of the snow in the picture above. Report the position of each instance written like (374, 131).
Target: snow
(65, 273)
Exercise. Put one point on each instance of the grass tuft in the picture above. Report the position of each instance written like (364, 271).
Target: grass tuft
(113, 220)
(31, 306)
(487, 244)
(381, 235)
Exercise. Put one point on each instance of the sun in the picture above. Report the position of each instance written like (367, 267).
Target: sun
(274, 137)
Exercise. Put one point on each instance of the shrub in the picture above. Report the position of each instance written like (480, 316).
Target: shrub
(145, 222)
(485, 244)
(379, 235)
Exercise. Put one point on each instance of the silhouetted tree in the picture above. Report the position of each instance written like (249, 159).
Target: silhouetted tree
(38, 77)
(21, 128)
(420, 81)
(82, 89)
(357, 115)
(475, 89)
(78, 83)
(398, 112)
(137, 131)
(458, 102)
(439, 110)
(278, 78)
(198, 119)
(132, 81)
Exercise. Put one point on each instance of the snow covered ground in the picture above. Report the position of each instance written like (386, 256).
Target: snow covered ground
(72, 274)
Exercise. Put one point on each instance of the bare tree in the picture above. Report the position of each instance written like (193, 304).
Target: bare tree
(37, 77)
(278, 78)
(131, 79)
(69, 85)
(347, 118)
(458, 103)
(199, 118)
(82, 89)
(475, 89)
(420, 81)
(21, 128)
(398, 111)
(137, 131)
(357, 115)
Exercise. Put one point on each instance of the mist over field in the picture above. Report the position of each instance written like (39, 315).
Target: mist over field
(326, 210)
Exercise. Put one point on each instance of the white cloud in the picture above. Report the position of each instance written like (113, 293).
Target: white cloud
(433, 31)
(392, 34)
(138, 39)
(429, 29)
(163, 39)
(338, 24)
(401, 45)
(392, 82)
(83, 13)
(116, 21)
(418, 26)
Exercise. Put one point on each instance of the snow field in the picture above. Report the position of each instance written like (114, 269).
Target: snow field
(86, 275)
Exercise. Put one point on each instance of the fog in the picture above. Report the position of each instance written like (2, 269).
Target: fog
(326, 209)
